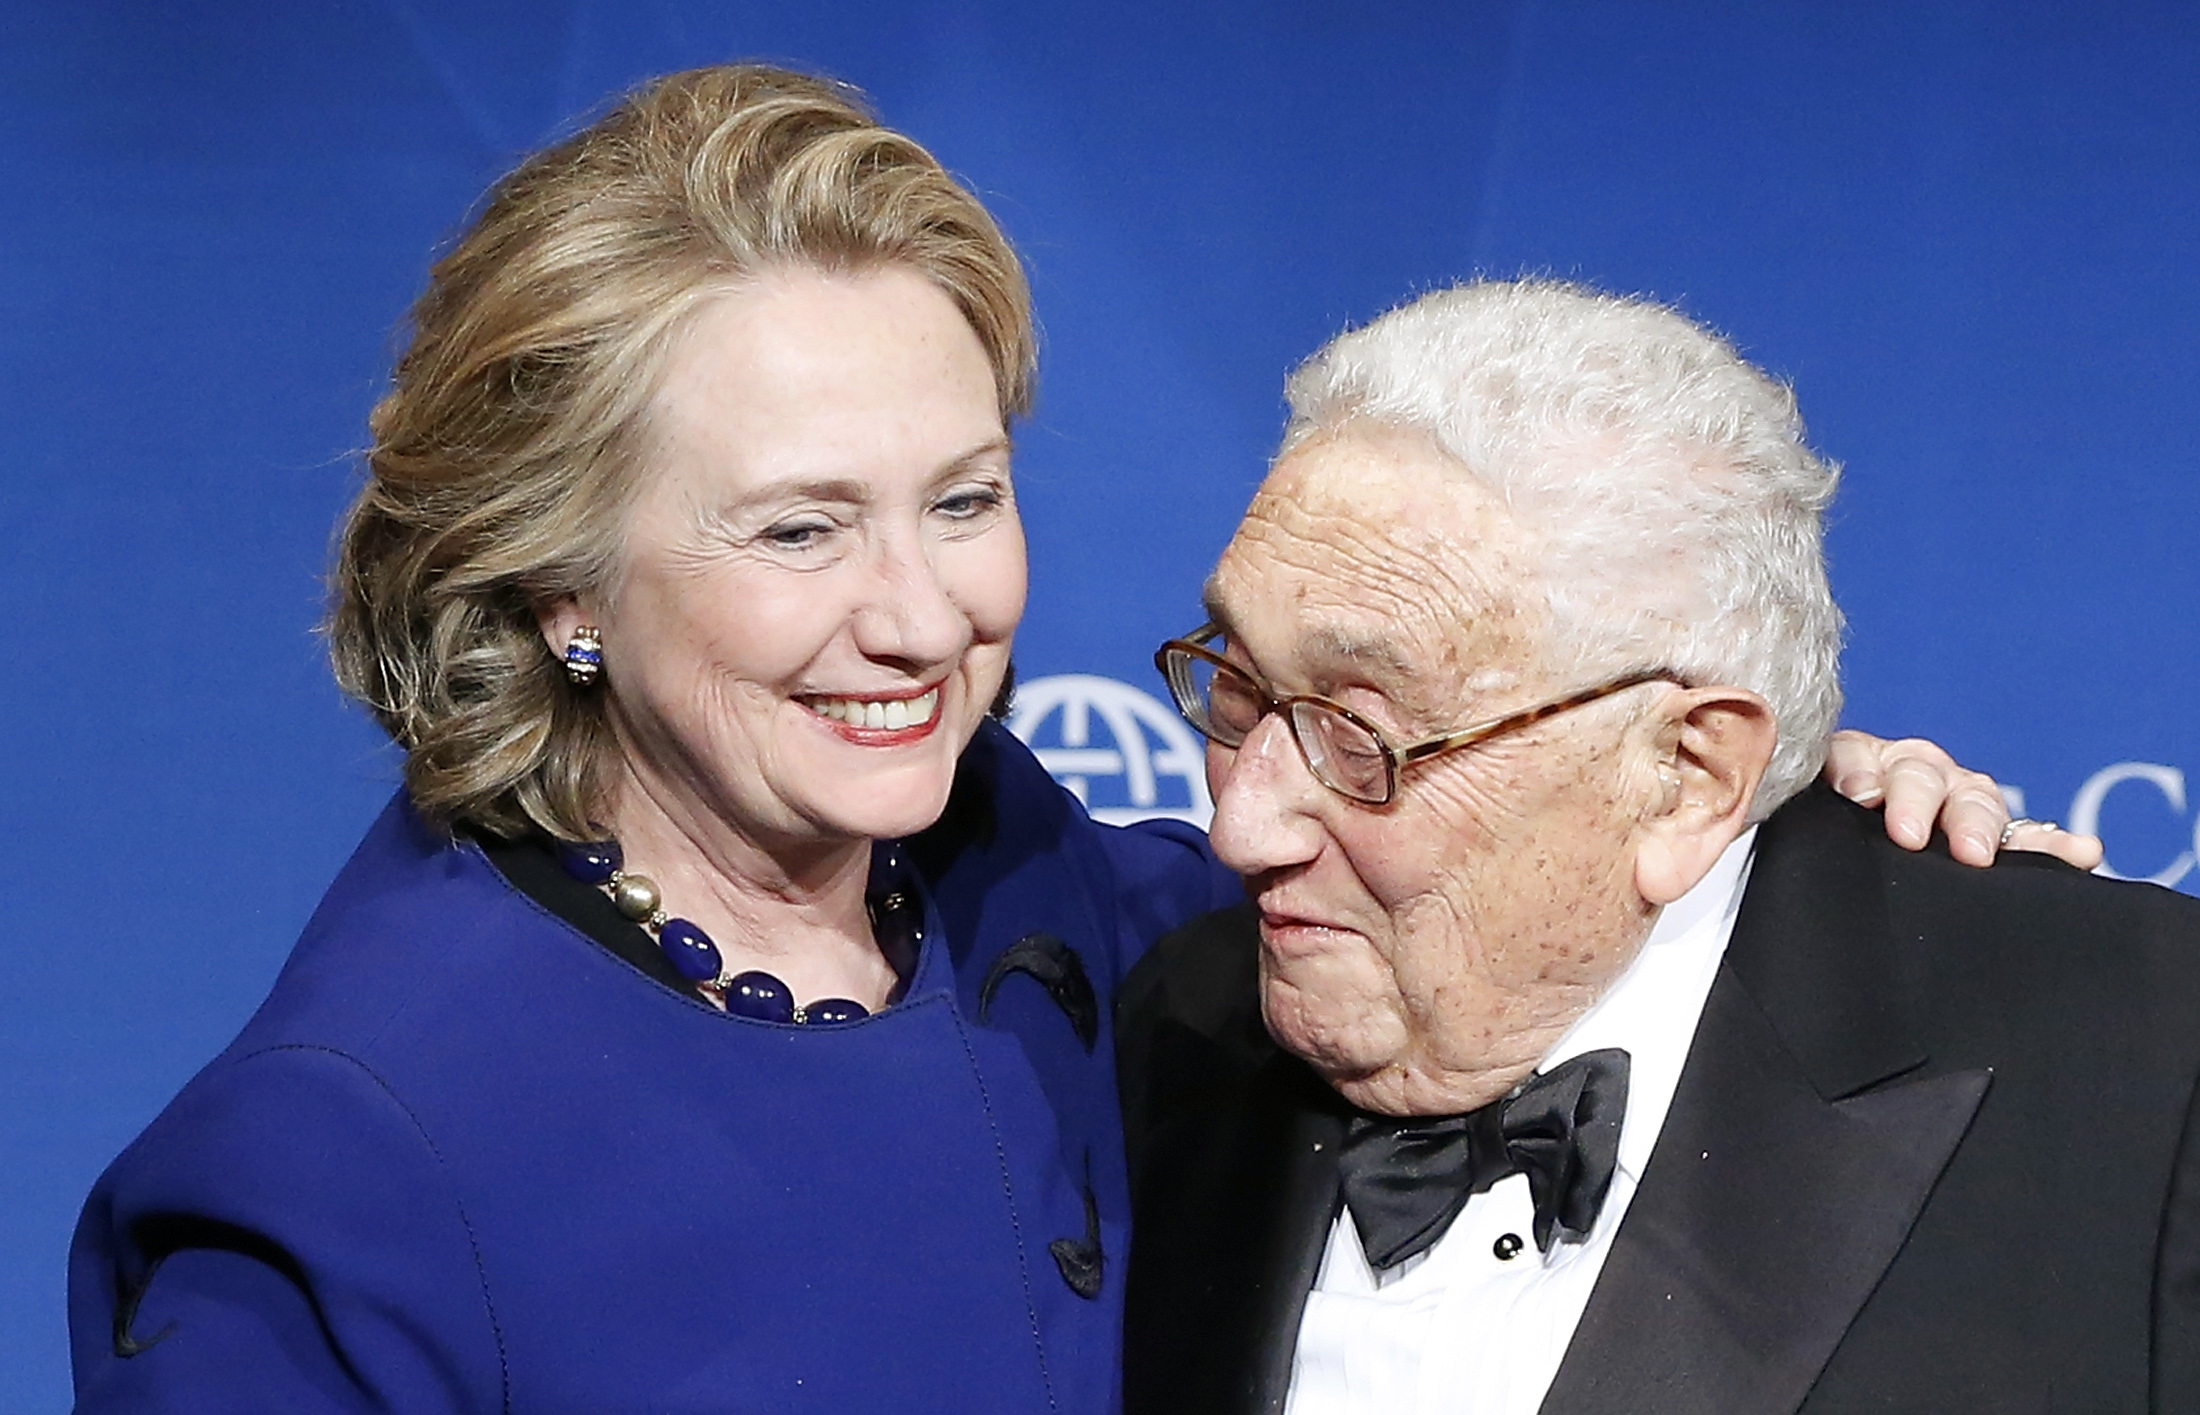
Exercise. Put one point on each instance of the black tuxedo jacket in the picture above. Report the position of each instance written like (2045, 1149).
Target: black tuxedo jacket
(1933, 1150)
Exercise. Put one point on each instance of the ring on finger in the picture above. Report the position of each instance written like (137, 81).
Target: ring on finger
(2009, 831)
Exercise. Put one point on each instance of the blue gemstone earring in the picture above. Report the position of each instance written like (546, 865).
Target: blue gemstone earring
(584, 656)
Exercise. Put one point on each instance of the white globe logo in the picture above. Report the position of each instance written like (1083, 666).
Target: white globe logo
(1143, 742)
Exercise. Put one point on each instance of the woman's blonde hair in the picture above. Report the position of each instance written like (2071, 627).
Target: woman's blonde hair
(516, 430)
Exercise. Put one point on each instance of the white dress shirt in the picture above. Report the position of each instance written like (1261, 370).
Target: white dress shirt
(1459, 1329)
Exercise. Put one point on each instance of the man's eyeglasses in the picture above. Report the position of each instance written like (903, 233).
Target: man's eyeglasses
(1347, 753)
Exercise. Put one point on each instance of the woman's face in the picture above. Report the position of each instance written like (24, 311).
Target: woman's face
(824, 567)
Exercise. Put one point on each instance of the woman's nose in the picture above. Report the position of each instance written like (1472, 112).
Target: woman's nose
(912, 615)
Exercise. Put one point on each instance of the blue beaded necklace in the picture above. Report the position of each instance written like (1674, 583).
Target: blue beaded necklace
(755, 993)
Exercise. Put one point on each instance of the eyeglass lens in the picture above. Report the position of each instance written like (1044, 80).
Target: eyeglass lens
(1231, 703)
(1343, 754)
(1227, 705)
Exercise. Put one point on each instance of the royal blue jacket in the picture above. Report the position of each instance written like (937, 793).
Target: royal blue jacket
(465, 1159)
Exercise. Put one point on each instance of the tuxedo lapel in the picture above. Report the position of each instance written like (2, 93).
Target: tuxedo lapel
(1233, 1214)
(1294, 1226)
(1765, 1219)
(1235, 1186)
(1803, 1141)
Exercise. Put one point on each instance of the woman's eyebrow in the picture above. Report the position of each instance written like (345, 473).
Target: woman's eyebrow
(957, 466)
(855, 489)
(842, 489)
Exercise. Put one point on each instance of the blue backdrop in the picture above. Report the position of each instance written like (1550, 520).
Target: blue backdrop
(1967, 231)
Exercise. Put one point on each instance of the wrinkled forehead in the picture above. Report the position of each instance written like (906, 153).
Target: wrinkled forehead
(1377, 549)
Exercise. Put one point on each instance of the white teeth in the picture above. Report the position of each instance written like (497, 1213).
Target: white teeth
(883, 715)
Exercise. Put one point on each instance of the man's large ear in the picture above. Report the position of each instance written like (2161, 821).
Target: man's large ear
(1712, 746)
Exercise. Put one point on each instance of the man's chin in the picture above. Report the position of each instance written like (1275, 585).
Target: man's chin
(1378, 1080)
(1335, 1052)
(1391, 1090)
(1396, 1090)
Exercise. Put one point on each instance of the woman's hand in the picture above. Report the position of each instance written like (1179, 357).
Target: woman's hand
(1921, 785)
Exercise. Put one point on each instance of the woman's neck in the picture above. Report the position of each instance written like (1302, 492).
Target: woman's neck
(794, 909)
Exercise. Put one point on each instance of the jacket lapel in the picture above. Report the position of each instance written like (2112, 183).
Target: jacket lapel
(1764, 1220)
(1232, 1215)
(1806, 1135)
(1296, 1223)
(1234, 1183)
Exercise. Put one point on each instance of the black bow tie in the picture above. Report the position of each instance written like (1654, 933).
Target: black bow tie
(1405, 1180)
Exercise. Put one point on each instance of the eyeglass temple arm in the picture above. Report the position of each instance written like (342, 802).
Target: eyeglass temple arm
(1528, 717)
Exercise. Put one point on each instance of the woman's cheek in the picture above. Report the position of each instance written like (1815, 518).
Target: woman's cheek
(1005, 581)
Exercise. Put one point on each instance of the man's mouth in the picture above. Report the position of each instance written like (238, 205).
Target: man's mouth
(878, 714)
(1293, 931)
(1281, 906)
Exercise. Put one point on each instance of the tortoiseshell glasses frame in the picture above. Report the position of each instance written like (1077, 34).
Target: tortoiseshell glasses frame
(1346, 753)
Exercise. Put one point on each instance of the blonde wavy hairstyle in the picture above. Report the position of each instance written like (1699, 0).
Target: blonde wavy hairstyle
(517, 428)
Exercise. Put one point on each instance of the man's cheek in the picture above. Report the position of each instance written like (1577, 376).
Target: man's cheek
(1341, 983)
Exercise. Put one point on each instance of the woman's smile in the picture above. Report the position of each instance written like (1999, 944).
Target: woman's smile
(888, 720)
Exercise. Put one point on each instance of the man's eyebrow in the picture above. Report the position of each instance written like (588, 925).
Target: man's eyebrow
(1210, 599)
(1376, 653)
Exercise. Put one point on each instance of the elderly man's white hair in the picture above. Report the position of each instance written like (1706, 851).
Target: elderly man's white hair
(1678, 513)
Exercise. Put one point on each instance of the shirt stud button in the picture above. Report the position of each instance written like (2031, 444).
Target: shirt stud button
(1507, 1247)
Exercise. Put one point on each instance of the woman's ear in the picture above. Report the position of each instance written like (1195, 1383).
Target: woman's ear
(1712, 746)
(559, 620)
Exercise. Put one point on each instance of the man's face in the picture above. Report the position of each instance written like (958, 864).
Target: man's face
(1422, 956)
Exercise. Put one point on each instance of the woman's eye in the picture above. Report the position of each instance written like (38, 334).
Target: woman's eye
(797, 535)
(968, 505)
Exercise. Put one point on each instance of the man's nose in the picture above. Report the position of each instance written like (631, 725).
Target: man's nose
(1261, 790)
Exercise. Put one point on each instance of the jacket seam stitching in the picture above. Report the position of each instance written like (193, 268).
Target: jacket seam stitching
(473, 1242)
(1008, 1194)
